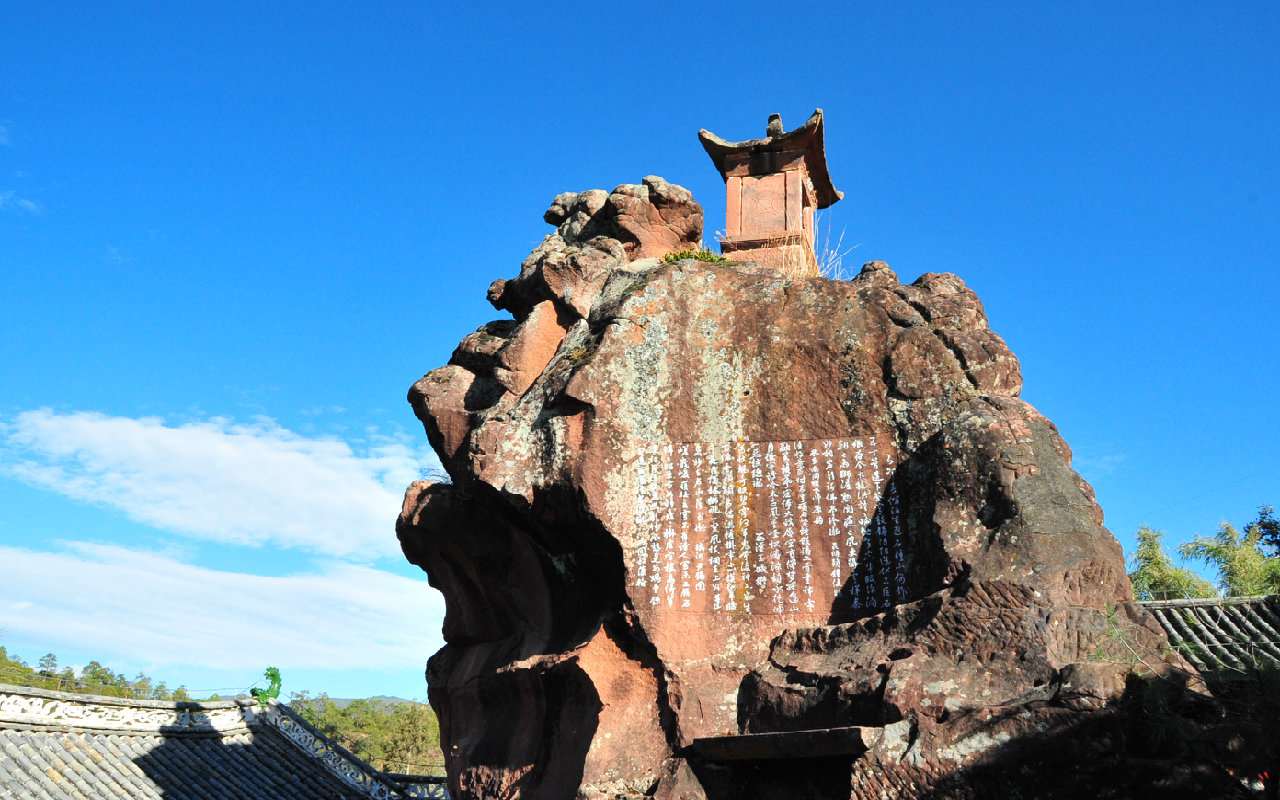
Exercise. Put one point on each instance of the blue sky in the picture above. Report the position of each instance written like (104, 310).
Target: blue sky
(232, 235)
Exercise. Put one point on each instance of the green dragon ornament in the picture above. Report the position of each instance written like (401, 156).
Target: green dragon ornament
(265, 696)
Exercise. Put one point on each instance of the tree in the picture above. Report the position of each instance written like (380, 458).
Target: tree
(414, 743)
(94, 678)
(1269, 527)
(14, 670)
(1238, 727)
(141, 686)
(323, 714)
(96, 674)
(1244, 569)
(1154, 575)
(97, 679)
(395, 735)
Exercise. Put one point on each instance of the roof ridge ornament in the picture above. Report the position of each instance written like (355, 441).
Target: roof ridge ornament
(808, 137)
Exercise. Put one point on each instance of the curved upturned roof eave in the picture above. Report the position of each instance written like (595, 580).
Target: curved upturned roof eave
(807, 137)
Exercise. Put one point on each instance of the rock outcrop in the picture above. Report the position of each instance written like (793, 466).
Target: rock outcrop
(693, 501)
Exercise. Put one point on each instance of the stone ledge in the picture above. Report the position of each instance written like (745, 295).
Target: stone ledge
(820, 743)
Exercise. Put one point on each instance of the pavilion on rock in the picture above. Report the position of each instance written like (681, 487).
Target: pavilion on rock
(773, 187)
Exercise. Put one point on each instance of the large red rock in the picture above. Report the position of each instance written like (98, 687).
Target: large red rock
(697, 500)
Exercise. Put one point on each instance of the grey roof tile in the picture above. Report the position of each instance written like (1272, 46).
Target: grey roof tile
(71, 747)
(1222, 635)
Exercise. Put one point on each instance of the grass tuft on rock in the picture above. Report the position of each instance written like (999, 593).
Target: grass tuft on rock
(694, 254)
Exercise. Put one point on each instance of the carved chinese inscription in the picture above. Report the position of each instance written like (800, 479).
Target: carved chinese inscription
(768, 527)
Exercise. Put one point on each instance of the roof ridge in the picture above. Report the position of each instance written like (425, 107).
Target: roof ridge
(41, 708)
(112, 700)
(1190, 602)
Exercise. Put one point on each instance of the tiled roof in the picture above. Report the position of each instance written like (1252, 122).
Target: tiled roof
(56, 746)
(1222, 635)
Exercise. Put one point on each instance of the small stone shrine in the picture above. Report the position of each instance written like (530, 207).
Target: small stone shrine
(773, 186)
(732, 530)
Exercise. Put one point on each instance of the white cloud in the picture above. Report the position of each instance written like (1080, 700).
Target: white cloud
(115, 255)
(1105, 464)
(10, 199)
(151, 608)
(243, 484)
(4, 136)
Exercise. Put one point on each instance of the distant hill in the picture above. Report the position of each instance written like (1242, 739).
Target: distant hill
(378, 700)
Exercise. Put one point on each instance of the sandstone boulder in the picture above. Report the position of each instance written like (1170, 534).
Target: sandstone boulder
(596, 233)
(695, 503)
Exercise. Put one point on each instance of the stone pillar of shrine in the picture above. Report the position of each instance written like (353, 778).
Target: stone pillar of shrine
(773, 186)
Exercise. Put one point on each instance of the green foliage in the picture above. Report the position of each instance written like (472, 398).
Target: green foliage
(1235, 728)
(141, 686)
(695, 254)
(94, 678)
(1172, 718)
(414, 741)
(1269, 531)
(1154, 575)
(15, 671)
(393, 736)
(106, 682)
(1244, 569)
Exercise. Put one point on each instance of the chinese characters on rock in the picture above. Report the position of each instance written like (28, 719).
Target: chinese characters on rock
(768, 527)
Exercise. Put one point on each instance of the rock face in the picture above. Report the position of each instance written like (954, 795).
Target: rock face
(692, 500)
